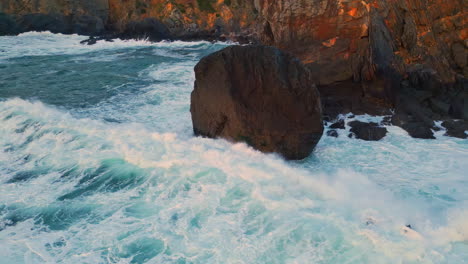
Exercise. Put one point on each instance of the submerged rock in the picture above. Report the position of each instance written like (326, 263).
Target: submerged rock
(338, 124)
(367, 131)
(258, 95)
(332, 133)
(93, 40)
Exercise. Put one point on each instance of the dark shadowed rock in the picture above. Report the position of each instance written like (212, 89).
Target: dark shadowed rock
(148, 28)
(8, 25)
(386, 121)
(338, 124)
(87, 25)
(45, 22)
(367, 131)
(418, 130)
(332, 133)
(93, 40)
(456, 128)
(258, 95)
(412, 119)
(459, 104)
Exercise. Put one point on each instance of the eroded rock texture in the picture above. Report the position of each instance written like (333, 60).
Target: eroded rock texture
(258, 95)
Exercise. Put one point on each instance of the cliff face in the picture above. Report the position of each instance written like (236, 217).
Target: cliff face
(366, 49)
(432, 32)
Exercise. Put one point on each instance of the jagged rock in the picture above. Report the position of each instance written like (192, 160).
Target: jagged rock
(418, 130)
(258, 95)
(340, 124)
(367, 131)
(386, 121)
(413, 124)
(332, 133)
(456, 128)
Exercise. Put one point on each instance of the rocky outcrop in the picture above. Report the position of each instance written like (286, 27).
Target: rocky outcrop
(258, 95)
(367, 131)
(85, 17)
(456, 128)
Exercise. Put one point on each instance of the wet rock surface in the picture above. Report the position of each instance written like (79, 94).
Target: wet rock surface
(456, 128)
(340, 124)
(258, 95)
(367, 131)
(332, 133)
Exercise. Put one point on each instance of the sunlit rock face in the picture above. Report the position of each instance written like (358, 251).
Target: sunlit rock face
(325, 32)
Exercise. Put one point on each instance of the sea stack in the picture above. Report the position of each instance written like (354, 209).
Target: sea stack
(258, 95)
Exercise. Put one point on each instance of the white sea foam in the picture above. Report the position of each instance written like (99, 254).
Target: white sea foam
(76, 188)
(46, 43)
(246, 204)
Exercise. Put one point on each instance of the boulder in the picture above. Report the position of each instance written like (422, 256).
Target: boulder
(258, 95)
(418, 130)
(413, 125)
(456, 128)
(367, 131)
(338, 124)
(332, 133)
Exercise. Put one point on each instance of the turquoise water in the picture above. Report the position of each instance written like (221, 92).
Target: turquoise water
(98, 164)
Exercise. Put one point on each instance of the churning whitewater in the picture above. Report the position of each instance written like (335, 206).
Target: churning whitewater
(98, 164)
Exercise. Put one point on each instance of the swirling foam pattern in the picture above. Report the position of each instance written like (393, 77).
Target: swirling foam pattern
(98, 164)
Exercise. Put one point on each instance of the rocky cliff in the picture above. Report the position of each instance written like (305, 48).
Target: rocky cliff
(366, 55)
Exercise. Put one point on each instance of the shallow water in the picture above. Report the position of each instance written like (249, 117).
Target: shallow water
(98, 164)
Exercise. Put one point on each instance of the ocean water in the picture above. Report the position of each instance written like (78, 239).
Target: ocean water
(98, 164)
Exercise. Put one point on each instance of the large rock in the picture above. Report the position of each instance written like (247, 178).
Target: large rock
(456, 128)
(367, 131)
(258, 95)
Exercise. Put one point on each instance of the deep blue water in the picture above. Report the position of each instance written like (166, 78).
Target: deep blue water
(98, 164)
